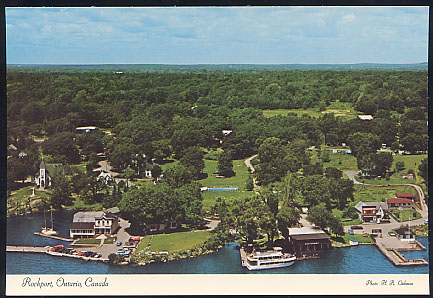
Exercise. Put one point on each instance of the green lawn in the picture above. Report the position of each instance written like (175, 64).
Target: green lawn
(341, 161)
(342, 109)
(143, 244)
(110, 240)
(88, 241)
(174, 242)
(20, 201)
(404, 215)
(360, 238)
(236, 181)
(79, 204)
(209, 197)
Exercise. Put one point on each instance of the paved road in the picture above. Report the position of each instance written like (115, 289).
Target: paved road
(351, 175)
(248, 163)
(211, 223)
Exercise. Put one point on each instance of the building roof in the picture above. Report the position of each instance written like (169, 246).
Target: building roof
(12, 147)
(305, 231)
(365, 117)
(86, 128)
(318, 236)
(361, 204)
(113, 210)
(403, 231)
(399, 201)
(22, 154)
(82, 226)
(88, 216)
(405, 195)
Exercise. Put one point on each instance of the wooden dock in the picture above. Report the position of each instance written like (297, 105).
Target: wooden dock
(53, 237)
(394, 255)
(33, 249)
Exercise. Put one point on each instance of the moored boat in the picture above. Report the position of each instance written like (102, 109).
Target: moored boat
(269, 259)
(353, 242)
(46, 230)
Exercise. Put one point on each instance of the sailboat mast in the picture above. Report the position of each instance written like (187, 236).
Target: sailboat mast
(45, 220)
(52, 225)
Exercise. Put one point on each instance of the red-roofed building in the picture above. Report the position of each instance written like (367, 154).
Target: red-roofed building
(399, 203)
(405, 196)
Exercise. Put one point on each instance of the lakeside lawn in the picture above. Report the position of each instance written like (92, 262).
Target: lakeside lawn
(360, 238)
(20, 201)
(405, 214)
(79, 204)
(342, 109)
(238, 180)
(89, 241)
(173, 242)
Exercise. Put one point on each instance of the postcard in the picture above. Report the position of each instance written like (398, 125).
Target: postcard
(217, 150)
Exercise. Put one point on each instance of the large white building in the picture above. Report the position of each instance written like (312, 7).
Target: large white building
(93, 223)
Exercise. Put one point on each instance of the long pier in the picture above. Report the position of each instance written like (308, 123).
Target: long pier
(33, 249)
(53, 237)
(46, 250)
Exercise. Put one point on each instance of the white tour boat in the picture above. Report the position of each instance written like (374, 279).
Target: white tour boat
(46, 230)
(269, 259)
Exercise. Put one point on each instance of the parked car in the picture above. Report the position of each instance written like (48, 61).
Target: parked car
(426, 221)
(365, 234)
(351, 232)
(356, 227)
(392, 234)
(119, 243)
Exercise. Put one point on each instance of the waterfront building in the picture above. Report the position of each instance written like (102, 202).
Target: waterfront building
(405, 234)
(93, 223)
(371, 211)
(105, 176)
(308, 240)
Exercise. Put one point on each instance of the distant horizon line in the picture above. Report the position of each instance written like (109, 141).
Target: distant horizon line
(189, 64)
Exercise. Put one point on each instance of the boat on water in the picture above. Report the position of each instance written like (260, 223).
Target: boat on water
(353, 242)
(46, 230)
(272, 259)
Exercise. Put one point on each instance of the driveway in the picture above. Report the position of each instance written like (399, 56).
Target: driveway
(351, 175)
(106, 249)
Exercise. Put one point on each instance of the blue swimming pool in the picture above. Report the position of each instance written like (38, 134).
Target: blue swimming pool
(223, 189)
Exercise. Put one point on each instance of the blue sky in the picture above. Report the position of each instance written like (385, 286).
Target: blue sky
(217, 35)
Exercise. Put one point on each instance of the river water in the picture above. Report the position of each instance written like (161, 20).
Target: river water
(362, 259)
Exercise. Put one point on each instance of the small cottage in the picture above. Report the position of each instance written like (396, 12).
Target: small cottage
(399, 203)
(405, 196)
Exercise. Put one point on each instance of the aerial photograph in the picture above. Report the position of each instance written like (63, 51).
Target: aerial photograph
(217, 140)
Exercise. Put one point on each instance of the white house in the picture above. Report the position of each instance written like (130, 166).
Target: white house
(93, 223)
(371, 211)
(365, 117)
(82, 129)
(105, 176)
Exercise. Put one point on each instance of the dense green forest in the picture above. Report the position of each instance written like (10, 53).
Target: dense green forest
(180, 115)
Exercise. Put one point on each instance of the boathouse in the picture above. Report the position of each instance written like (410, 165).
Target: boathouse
(92, 223)
(308, 240)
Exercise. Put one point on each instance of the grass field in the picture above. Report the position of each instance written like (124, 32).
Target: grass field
(360, 238)
(406, 214)
(88, 241)
(367, 193)
(173, 242)
(20, 201)
(79, 204)
(238, 181)
(342, 109)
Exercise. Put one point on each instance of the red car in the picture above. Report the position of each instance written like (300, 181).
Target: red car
(81, 254)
